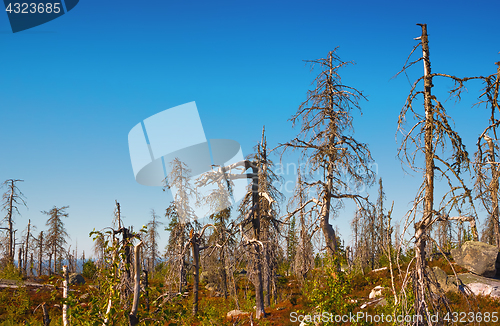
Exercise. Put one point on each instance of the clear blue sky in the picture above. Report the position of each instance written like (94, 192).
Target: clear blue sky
(71, 89)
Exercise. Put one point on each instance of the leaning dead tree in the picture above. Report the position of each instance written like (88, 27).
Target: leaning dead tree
(428, 136)
(339, 166)
(486, 166)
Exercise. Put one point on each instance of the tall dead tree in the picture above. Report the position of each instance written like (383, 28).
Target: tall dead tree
(250, 226)
(304, 259)
(151, 241)
(56, 234)
(181, 215)
(339, 165)
(486, 166)
(428, 135)
(12, 198)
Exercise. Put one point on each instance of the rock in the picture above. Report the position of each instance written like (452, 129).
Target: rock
(236, 314)
(446, 282)
(204, 276)
(211, 287)
(84, 296)
(376, 292)
(479, 258)
(76, 279)
(484, 289)
(481, 285)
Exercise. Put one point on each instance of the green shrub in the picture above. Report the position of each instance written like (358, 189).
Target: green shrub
(89, 269)
(329, 292)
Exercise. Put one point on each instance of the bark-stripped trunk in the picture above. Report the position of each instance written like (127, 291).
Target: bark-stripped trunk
(65, 295)
(422, 227)
(115, 272)
(132, 318)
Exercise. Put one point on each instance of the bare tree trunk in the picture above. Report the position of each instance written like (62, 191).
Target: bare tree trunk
(31, 264)
(146, 288)
(132, 317)
(493, 189)
(422, 227)
(26, 249)
(46, 318)
(113, 286)
(50, 264)
(182, 274)
(20, 260)
(65, 295)
(259, 289)
(9, 220)
(196, 262)
(40, 251)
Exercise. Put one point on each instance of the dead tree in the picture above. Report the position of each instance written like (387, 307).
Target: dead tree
(46, 318)
(132, 317)
(339, 166)
(195, 240)
(26, 248)
(56, 234)
(486, 166)
(12, 198)
(65, 295)
(182, 217)
(40, 253)
(251, 219)
(428, 136)
(151, 241)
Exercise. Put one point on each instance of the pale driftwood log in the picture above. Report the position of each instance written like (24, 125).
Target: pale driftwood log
(65, 295)
(132, 317)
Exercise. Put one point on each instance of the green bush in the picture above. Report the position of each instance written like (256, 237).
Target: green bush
(329, 292)
(89, 269)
